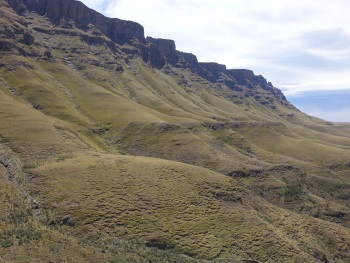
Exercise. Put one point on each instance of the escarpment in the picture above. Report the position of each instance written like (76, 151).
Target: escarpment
(156, 51)
(118, 30)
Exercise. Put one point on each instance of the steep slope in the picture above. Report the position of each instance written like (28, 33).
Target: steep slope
(122, 136)
(27, 240)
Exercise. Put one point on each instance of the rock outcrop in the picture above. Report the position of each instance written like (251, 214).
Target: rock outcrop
(167, 47)
(213, 70)
(163, 51)
(156, 57)
(189, 58)
(243, 76)
(120, 31)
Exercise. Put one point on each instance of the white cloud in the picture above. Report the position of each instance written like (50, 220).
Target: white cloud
(100, 5)
(332, 105)
(336, 115)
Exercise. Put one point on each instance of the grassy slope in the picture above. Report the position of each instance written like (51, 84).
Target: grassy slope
(23, 238)
(38, 139)
(168, 204)
(88, 114)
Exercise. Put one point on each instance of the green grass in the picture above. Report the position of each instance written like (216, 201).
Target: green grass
(168, 204)
(161, 203)
(23, 238)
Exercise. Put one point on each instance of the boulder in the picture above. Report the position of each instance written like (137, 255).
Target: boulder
(119, 68)
(28, 39)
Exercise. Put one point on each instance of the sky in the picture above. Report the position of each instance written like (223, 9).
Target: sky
(301, 46)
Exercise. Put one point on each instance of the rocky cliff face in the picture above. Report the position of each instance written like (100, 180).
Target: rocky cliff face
(163, 51)
(243, 76)
(167, 47)
(156, 57)
(120, 31)
(190, 58)
(213, 70)
(155, 51)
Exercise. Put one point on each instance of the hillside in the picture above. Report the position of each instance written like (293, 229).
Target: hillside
(119, 148)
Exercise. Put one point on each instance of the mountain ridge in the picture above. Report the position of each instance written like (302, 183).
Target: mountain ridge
(116, 30)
